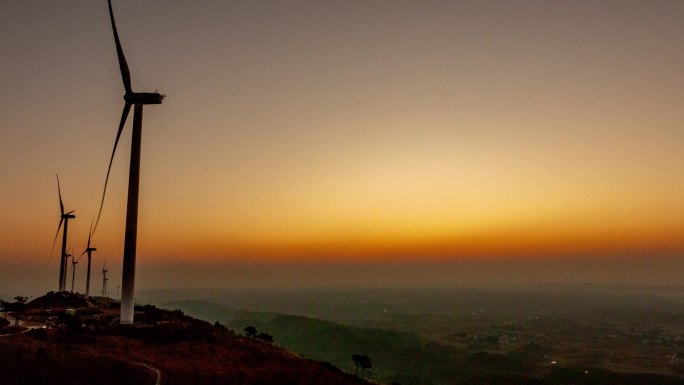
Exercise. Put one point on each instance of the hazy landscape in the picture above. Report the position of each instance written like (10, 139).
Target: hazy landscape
(551, 332)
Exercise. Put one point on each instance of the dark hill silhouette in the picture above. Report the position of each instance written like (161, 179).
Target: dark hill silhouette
(55, 300)
(90, 347)
(25, 361)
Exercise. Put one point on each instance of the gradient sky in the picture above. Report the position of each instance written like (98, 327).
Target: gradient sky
(349, 131)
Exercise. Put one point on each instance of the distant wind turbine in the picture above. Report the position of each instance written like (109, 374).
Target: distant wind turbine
(64, 218)
(66, 266)
(139, 99)
(88, 250)
(104, 278)
(74, 261)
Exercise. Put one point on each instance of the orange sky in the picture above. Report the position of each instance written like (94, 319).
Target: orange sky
(384, 131)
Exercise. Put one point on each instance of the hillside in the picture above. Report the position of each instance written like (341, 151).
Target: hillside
(89, 347)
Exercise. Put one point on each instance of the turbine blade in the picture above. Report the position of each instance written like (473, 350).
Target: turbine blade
(55, 241)
(123, 66)
(59, 191)
(124, 115)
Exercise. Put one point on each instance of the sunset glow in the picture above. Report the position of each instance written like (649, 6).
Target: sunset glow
(351, 132)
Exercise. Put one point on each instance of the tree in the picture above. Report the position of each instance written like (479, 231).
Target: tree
(361, 362)
(265, 337)
(18, 306)
(251, 331)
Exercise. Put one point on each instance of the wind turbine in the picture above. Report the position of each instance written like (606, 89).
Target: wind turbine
(104, 278)
(88, 250)
(66, 265)
(64, 218)
(74, 261)
(139, 99)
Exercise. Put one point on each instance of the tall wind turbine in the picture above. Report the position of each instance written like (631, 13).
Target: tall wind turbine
(88, 250)
(64, 218)
(139, 99)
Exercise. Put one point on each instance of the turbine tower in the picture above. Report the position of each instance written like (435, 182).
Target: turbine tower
(88, 250)
(64, 218)
(139, 99)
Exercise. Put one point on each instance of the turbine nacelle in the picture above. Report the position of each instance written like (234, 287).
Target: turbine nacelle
(144, 98)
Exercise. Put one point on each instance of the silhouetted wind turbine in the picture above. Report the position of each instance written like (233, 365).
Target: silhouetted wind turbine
(104, 278)
(74, 261)
(64, 218)
(139, 99)
(66, 266)
(88, 250)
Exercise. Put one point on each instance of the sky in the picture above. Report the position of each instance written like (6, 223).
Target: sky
(349, 134)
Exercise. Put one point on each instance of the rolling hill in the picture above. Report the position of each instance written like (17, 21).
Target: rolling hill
(85, 345)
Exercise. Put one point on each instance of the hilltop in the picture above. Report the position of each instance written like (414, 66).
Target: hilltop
(68, 339)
